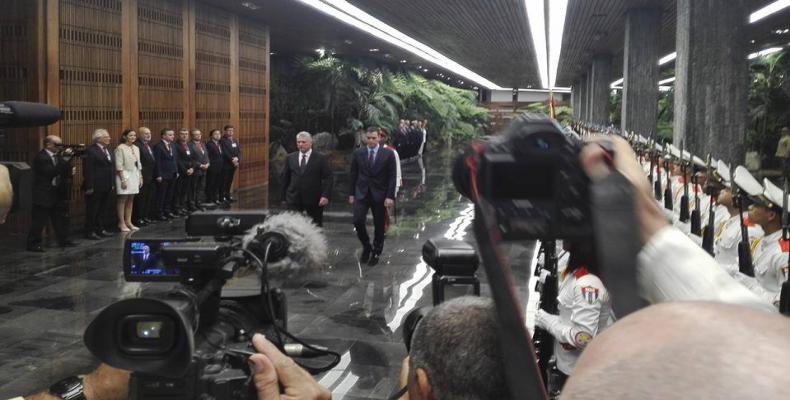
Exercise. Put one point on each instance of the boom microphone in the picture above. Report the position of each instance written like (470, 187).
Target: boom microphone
(19, 114)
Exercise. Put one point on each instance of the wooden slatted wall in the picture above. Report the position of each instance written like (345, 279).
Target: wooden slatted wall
(253, 102)
(212, 67)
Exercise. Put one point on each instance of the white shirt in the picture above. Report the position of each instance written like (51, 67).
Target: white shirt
(770, 257)
(585, 309)
(306, 157)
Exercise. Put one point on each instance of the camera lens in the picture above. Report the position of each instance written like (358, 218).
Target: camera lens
(148, 329)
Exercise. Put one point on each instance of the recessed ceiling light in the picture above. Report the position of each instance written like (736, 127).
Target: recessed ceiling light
(751, 41)
(373, 50)
(272, 53)
(475, 88)
(347, 41)
(403, 61)
(387, 55)
(250, 5)
(425, 70)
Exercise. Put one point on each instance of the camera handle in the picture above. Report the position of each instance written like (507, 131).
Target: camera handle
(614, 216)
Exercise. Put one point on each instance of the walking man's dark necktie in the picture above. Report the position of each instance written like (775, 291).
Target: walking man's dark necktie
(370, 158)
(304, 159)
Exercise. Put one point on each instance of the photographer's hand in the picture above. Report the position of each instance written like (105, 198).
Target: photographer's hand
(598, 162)
(273, 369)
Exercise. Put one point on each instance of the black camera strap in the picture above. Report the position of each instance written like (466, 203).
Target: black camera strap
(613, 212)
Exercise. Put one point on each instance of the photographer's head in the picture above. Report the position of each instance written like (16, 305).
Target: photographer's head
(53, 143)
(455, 353)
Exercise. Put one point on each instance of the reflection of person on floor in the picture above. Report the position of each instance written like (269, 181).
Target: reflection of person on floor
(383, 139)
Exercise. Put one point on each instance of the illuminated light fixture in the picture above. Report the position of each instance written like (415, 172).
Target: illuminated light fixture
(347, 41)
(664, 88)
(250, 5)
(768, 10)
(665, 81)
(351, 15)
(617, 82)
(425, 70)
(403, 61)
(667, 58)
(557, 11)
(373, 50)
(272, 53)
(764, 52)
(475, 88)
(321, 51)
(537, 27)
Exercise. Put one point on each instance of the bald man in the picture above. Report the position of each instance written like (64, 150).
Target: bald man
(51, 180)
(687, 350)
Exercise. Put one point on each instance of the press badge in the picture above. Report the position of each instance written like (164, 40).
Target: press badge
(233, 144)
(188, 152)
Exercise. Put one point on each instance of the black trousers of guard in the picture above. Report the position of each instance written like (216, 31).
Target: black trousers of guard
(361, 208)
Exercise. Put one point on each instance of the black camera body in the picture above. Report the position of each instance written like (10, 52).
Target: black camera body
(193, 341)
(532, 178)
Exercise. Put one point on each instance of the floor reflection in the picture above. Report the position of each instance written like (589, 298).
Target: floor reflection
(47, 300)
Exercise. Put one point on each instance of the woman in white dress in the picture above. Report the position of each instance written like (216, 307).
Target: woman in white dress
(128, 179)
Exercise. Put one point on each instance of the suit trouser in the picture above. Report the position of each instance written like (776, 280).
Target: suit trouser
(183, 193)
(58, 214)
(361, 208)
(315, 212)
(227, 180)
(144, 202)
(198, 187)
(95, 209)
(214, 188)
(164, 202)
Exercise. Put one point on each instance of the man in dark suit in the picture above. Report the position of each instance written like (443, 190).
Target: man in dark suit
(231, 153)
(98, 172)
(201, 163)
(373, 176)
(186, 172)
(307, 179)
(216, 165)
(166, 172)
(51, 180)
(145, 201)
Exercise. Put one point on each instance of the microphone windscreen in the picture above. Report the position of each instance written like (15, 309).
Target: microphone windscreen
(18, 114)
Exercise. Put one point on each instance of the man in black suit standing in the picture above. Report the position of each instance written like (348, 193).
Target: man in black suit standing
(144, 202)
(166, 172)
(307, 179)
(373, 176)
(98, 172)
(231, 153)
(51, 177)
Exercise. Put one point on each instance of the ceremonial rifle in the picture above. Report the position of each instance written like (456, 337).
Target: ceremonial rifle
(668, 190)
(542, 340)
(684, 201)
(707, 234)
(696, 216)
(745, 265)
(784, 294)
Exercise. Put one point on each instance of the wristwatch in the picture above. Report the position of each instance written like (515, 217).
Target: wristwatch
(68, 389)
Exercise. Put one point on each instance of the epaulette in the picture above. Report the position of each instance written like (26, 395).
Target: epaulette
(785, 245)
(580, 272)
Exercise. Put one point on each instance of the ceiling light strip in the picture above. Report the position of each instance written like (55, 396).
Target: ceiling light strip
(536, 15)
(557, 11)
(768, 10)
(347, 13)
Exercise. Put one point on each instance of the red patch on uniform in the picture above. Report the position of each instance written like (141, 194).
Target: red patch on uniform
(580, 272)
(567, 346)
(747, 222)
(785, 245)
(590, 294)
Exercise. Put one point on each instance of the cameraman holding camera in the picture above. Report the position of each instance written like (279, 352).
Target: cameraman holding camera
(271, 370)
(52, 172)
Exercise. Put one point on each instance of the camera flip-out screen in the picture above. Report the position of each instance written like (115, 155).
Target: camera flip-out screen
(532, 181)
(143, 261)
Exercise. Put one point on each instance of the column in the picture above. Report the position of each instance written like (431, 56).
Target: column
(583, 98)
(640, 70)
(712, 77)
(588, 99)
(575, 99)
(601, 77)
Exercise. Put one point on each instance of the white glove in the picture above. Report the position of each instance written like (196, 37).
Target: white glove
(544, 320)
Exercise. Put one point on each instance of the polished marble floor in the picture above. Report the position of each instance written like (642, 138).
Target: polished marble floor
(47, 300)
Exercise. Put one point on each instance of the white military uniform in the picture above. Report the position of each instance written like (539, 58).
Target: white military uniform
(727, 235)
(770, 254)
(585, 309)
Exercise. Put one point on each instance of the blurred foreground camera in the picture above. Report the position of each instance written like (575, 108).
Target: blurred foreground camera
(531, 178)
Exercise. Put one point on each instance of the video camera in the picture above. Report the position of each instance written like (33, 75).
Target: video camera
(194, 341)
(531, 177)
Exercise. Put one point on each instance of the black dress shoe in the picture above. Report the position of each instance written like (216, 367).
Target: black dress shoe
(35, 248)
(365, 256)
(68, 243)
(92, 236)
(170, 215)
(374, 259)
(161, 218)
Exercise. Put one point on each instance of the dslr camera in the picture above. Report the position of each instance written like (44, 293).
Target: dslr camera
(193, 341)
(530, 178)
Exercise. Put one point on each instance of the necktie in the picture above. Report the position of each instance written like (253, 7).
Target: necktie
(219, 148)
(104, 150)
(370, 158)
(54, 161)
(168, 148)
(304, 159)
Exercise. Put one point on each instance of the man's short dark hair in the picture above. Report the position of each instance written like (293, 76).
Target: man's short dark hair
(373, 129)
(226, 127)
(164, 131)
(457, 346)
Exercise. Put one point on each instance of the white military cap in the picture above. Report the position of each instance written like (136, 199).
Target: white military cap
(772, 193)
(723, 172)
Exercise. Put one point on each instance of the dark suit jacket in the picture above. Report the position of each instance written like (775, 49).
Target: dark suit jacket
(147, 161)
(229, 152)
(308, 185)
(97, 171)
(378, 180)
(166, 167)
(199, 156)
(214, 156)
(183, 160)
(46, 194)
